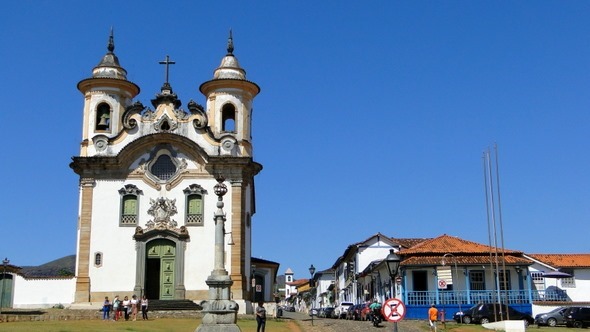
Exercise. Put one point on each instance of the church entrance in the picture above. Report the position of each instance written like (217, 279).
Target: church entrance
(159, 270)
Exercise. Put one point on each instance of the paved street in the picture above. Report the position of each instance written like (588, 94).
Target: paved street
(342, 325)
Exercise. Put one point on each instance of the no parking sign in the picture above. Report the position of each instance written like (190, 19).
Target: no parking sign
(393, 310)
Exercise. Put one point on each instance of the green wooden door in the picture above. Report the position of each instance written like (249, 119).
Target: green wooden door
(164, 251)
(5, 290)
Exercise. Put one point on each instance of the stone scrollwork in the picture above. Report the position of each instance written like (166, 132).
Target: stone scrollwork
(198, 112)
(130, 111)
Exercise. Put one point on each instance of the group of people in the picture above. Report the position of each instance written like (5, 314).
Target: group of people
(128, 308)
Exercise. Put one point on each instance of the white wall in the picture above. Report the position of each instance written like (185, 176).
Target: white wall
(43, 293)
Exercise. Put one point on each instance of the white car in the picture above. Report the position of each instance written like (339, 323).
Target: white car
(340, 311)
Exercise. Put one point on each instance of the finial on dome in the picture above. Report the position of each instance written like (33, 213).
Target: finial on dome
(111, 46)
(230, 44)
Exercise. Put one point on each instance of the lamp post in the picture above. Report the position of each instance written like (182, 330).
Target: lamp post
(392, 260)
(4, 264)
(221, 313)
(311, 285)
(253, 283)
(457, 274)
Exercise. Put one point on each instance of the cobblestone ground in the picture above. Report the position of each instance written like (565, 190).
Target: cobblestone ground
(343, 325)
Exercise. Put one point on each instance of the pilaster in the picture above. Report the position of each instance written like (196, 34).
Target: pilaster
(83, 277)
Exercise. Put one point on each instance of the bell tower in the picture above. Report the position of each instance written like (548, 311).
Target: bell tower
(229, 101)
(106, 95)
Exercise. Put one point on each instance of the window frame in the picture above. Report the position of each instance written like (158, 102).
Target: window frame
(127, 192)
(192, 191)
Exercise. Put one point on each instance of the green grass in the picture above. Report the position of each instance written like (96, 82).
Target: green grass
(156, 325)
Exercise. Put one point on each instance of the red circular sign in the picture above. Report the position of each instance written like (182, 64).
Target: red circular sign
(393, 310)
(442, 284)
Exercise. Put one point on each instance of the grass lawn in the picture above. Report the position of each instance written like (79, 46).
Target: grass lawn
(156, 325)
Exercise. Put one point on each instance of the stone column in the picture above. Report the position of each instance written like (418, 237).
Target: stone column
(221, 313)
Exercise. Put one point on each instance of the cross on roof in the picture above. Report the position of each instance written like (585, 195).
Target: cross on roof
(167, 62)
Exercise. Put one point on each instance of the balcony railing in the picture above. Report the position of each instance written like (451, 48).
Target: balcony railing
(488, 296)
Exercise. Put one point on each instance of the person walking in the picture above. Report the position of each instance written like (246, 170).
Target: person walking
(432, 317)
(260, 317)
(144, 308)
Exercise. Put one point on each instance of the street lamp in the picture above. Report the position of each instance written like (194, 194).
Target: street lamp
(457, 274)
(311, 284)
(4, 263)
(392, 261)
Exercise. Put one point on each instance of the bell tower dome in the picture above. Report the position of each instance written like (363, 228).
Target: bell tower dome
(106, 94)
(229, 102)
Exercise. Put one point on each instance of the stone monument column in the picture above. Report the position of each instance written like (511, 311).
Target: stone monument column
(221, 313)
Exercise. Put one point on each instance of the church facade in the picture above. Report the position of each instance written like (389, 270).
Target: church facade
(147, 177)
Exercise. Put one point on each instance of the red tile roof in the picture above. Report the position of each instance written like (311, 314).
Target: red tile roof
(409, 242)
(451, 244)
(483, 260)
(298, 282)
(564, 260)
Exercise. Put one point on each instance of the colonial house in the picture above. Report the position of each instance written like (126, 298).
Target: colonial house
(455, 274)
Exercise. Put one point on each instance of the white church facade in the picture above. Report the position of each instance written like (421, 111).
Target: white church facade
(147, 177)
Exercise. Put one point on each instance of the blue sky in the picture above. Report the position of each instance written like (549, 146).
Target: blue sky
(373, 116)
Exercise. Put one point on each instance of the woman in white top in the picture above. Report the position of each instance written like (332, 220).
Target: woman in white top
(126, 307)
(144, 307)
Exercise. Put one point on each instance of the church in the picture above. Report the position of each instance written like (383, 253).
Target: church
(147, 187)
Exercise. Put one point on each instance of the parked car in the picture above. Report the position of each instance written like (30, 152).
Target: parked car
(552, 318)
(342, 309)
(577, 316)
(350, 312)
(289, 308)
(357, 310)
(484, 313)
(329, 312)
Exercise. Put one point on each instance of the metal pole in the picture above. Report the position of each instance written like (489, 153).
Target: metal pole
(4, 263)
(2, 295)
(394, 294)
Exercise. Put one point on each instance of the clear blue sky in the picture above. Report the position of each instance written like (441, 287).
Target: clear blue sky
(373, 116)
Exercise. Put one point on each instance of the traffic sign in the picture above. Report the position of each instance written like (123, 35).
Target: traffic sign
(442, 284)
(393, 310)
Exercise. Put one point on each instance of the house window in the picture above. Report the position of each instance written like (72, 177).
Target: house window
(504, 278)
(568, 282)
(194, 205)
(103, 117)
(538, 280)
(228, 118)
(477, 280)
(98, 259)
(129, 205)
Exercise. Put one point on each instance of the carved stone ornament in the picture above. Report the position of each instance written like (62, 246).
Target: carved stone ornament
(131, 110)
(165, 124)
(200, 118)
(180, 114)
(228, 146)
(162, 209)
(148, 115)
(100, 142)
